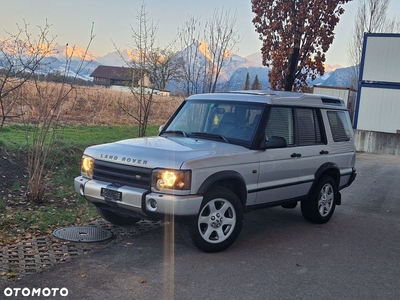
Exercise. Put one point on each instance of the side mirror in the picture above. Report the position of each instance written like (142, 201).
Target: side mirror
(276, 142)
(160, 128)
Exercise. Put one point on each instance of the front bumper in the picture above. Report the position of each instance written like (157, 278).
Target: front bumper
(139, 201)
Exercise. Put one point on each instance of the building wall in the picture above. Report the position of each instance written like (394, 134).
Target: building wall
(378, 97)
(377, 142)
(379, 109)
(342, 93)
(381, 58)
(347, 94)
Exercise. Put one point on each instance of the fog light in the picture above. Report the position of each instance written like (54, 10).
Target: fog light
(152, 204)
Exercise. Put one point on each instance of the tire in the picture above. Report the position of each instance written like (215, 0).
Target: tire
(320, 206)
(117, 219)
(218, 223)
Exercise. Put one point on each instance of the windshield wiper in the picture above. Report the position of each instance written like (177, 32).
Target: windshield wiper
(181, 132)
(210, 136)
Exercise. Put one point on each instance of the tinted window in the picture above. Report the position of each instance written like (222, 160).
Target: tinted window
(340, 126)
(308, 126)
(281, 124)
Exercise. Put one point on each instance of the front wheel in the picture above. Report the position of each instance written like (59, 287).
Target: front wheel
(218, 223)
(320, 206)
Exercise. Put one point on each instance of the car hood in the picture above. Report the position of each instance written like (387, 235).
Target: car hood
(163, 152)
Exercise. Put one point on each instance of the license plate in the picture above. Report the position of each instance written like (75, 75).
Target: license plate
(111, 194)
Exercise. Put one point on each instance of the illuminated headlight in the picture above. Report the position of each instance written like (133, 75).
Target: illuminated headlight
(171, 180)
(87, 165)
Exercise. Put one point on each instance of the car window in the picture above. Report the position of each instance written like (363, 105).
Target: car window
(308, 126)
(340, 126)
(280, 124)
(235, 121)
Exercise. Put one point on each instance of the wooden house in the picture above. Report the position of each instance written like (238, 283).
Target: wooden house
(109, 76)
(123, 79)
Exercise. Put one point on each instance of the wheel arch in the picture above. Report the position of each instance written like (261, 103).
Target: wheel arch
(229, 179)
(330, 169)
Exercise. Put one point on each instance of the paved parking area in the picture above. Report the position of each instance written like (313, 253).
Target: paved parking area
(41, 253)
(277, 256)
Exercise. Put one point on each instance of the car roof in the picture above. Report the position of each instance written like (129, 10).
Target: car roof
(274, 98)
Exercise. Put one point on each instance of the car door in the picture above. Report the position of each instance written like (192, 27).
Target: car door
(312, 145)
(279, 167)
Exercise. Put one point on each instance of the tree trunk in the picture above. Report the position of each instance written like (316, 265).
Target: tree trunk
(290, 77)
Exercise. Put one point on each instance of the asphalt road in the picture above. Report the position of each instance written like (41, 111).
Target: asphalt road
(277, 256)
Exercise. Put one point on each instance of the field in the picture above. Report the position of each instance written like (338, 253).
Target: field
(91, 116)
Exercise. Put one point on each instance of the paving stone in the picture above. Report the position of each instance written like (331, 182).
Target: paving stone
(39, 253)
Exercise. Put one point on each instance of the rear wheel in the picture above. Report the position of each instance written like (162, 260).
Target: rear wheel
(117, 219)
(320, 206)
(218, 223)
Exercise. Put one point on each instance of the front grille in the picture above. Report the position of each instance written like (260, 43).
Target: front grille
(122, 174)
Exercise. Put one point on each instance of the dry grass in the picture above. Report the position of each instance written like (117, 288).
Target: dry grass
(83, 105)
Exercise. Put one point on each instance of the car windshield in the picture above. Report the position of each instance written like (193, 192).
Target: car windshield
(228, 121)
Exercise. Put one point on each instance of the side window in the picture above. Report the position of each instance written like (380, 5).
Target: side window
(340, 126)
(309, 127)
(280, 123)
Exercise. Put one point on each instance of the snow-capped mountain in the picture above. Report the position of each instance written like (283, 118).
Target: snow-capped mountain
(82, 63)
(63, 53)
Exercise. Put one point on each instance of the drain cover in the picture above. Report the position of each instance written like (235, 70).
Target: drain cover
(82, 234)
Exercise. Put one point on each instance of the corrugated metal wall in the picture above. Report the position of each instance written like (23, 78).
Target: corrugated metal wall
(379, 109)
(347, 94)
(378, 99)
(381, 62)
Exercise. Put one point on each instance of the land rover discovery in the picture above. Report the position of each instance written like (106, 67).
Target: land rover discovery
(221, 155)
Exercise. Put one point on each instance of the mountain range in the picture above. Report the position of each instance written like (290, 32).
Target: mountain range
(233, 74)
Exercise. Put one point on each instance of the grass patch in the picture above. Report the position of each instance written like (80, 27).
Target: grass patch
(25, 222)
(14, 137)
(16, 185)
(20, 219)
(2, 206)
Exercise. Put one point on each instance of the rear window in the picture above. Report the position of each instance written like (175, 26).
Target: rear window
(340, 126)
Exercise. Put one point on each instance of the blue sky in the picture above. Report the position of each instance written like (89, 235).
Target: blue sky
(72, 20)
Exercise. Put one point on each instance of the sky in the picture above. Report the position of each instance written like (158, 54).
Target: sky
(71, 22)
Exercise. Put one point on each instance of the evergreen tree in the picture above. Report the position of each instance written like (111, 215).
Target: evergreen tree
(256, 84)
(247, 83)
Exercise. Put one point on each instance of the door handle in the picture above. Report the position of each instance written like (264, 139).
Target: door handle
(324, 152)
(295, 155)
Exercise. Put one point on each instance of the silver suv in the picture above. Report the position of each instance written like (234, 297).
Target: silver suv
(221, 155)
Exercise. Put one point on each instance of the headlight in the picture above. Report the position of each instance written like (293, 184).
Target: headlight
(171, 180)
(87, 165)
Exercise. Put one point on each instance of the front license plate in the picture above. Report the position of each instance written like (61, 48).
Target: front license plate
(111, 194)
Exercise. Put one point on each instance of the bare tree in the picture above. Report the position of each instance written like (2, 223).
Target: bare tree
(163, 66)
(371, 17)
(221, 35)
(40, 103)
(205, 50)
(152, 67)
(247, 82)
(20, 57)
(192, 72)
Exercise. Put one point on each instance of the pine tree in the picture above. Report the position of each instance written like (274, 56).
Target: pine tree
(256, 84)
(247, 83)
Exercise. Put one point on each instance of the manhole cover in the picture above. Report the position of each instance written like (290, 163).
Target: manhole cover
(82, 234)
